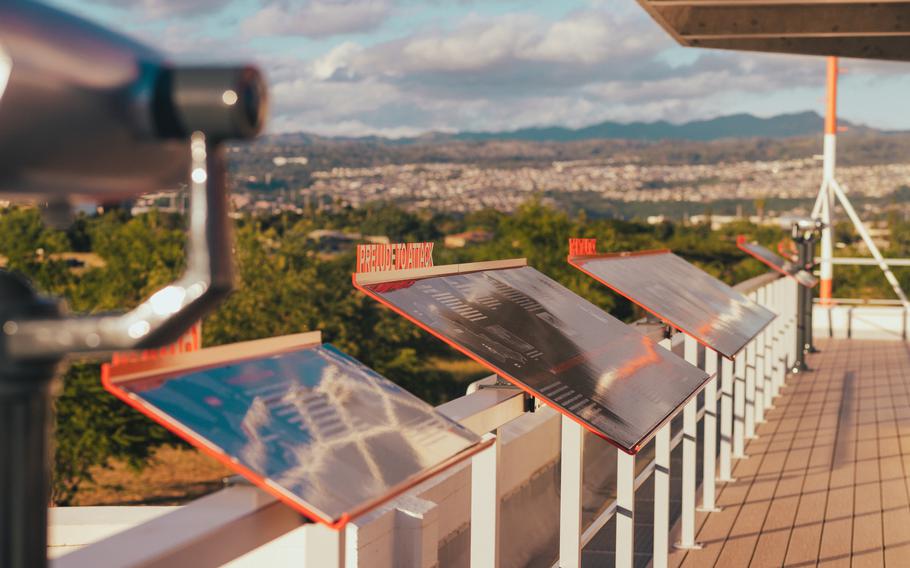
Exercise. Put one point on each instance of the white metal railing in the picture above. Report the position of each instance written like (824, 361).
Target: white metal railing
(242, 525)
(863, 261)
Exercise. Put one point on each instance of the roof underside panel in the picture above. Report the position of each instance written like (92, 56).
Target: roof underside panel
(870, 30)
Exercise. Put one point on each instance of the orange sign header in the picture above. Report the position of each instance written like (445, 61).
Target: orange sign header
(188, 342)
(582, 247)
(395, 256)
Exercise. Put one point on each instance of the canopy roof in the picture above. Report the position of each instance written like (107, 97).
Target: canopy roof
(864, 29)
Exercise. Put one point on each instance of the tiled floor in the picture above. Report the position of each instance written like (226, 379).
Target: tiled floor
(827, 480)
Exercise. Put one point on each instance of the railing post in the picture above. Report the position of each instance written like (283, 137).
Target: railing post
(726, 421)
(759, 341)
(739, 406)
(750, 390)
(780, 337)
(661, 497)
(570, 496)
(759, 373)
(709, 453)
(485, 505)
(625, 509)
(766, 297)
(689, 441)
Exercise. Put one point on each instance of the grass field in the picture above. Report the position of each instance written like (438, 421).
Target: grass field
(172, 477)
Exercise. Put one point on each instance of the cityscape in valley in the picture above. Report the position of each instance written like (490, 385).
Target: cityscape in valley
(619, 178)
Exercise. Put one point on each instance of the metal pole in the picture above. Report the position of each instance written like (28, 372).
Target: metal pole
(807, 260)
(801, 323)
(825, 193)
(25, 410)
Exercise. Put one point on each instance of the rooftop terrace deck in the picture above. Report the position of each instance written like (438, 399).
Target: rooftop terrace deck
(826, 481)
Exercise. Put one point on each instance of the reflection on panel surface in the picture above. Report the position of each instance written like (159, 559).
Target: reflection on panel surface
(778, 263)
(682, 295)
(534, 332)
(330, 434)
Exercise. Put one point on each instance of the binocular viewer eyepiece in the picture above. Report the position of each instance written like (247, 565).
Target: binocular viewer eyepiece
(224, 102)
(88, 114)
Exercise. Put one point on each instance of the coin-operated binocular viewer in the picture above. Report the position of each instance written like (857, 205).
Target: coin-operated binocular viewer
(86, 114)
(805, 233)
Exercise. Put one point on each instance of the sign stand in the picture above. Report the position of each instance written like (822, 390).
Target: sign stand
(690, 439)
(662, 491)
(485, 506)
(571, 484)
(727, 323)
(709, 504)
(564, 351)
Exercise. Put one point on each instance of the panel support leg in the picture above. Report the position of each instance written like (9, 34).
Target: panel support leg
(570, 504)
(709, 455)
(661, 497)
(687, 516)
(726, 421)
(750, 390)
(739, 406)
(759, 381)
(485, 506)
(625, 509)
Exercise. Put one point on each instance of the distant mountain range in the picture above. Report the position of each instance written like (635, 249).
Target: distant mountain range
(730, 126)
(723, 127)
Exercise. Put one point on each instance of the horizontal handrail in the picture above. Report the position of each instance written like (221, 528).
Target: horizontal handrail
(862, 261)
(862, 301)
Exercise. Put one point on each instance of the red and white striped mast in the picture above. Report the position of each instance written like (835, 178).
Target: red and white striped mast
(831, 191)
(826, 196)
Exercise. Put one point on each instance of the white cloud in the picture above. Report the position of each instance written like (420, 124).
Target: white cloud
(513, 71)
(317, 18)
(167, 8)
(336, 62)
(606, 61)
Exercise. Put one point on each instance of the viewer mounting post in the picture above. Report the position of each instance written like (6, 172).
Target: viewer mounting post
(141, 125)
(804, 235)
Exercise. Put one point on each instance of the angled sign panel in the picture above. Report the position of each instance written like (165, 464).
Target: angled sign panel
(681, 295)
(548, 341)
(778, 263)
(312, 426)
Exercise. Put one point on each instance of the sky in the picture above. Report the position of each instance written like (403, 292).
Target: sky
(405, 67)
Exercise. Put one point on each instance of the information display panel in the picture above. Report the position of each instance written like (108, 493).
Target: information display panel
(681, 295)
(550, 342)
(778, 263)
(307, 423)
